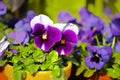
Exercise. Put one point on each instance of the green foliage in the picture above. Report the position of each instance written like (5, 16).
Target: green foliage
(32, 59)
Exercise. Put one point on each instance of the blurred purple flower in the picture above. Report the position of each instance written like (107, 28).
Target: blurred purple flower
(3, 46)
(98, 56)
(86, 36)
(93, 23)
(115, 25)
(45, 35)
(3, 9)
(23, 25)
(18, 37)
(107, 11)
(65, 16)
(117, 46)
(69, 36)
(30, 14)
(14, 51)
(84, 14)
(107, 33)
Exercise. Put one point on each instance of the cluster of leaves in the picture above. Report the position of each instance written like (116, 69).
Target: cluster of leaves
(32, 59)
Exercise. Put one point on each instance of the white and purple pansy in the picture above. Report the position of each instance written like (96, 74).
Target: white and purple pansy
(69, 37)
(45, 35)
(3, 45)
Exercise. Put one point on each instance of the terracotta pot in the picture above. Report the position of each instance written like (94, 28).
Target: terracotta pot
(2, 75)
(103, 76)
(40, 75)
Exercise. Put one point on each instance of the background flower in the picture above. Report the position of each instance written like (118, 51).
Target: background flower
(3, 9)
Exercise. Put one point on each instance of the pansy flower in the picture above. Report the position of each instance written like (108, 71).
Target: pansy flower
(18, 37)
(69, 37)
(93, 23)
(45, 35)
(84, 14)
(3, 9)
(98, 56)
(115, 25)
(65, 16)
(3, 45)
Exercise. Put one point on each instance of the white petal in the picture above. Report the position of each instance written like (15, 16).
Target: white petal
(62, 52)
(4, 45)
(42, 19)
(60, 26)
(72, 27)
(43, 47)
(3, 39)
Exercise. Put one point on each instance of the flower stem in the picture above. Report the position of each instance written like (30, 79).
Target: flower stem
(113, 43)
(98, 43)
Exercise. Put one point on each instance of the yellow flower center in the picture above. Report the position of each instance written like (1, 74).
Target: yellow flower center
(44, 36)
(97, 55)
(62, 41)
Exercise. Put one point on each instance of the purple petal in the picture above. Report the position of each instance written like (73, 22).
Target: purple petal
(64, 49)
(18, 37)
(99, 65)
(107, 11)
(30, 14)
(3, 9)
(88, 62)
(70, 36)
(84, 13)
(117, 46)
(65, 16)
(38, 29)
(38, 41)
(54, 34)
(104, 54)
(14, 51)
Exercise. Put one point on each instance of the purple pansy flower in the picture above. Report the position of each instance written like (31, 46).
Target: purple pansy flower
(69, 36)
(3, 9)
(98, 56)
(30, 14)
(93, 23)
(45, 35)
(18, 37)
(65, 16)
(3, 45)
(84, 14)
(115, 25)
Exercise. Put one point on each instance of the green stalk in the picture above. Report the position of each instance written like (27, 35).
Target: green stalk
(98, 43)
(113, 43)
(99, 7)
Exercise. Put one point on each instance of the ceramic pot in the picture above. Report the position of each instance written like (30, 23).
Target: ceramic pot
(40, 75)
(102, 76)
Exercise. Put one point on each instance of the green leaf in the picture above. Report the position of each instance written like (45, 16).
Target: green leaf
(32, 68)
(116, 57)
(89, 72)
(28, 61)
(53, 56)
(81, 68)
(19, 75)
(15, 59)
(56, 71)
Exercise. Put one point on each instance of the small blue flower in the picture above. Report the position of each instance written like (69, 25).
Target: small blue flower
(98, 56)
